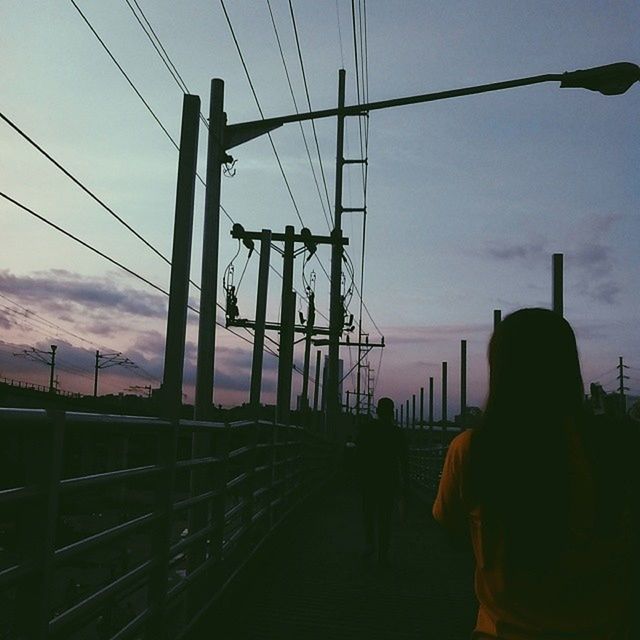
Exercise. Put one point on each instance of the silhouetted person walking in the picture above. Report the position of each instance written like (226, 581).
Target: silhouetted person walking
(380, 455)
(546, 493)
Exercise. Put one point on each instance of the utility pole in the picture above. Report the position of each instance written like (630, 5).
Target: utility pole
(336, 311)
(180, 261)
(53, 367)
(431, 401)
(216, 157)
(621, 388)
(311, 320)
(106, 360)
(444, 394)
(463, 379)
(261, 316)
(287, 321)
(47, 358)
(316, 384)
(370, 379)
(413, 412)
(557, 267)
(287, 326)
(497, 318)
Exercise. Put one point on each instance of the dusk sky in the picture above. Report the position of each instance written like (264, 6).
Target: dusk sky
(467, 198)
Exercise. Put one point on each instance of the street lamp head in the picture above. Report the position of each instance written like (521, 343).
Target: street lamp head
(610, 79)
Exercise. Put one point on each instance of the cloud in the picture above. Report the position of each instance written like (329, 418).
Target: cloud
(430, 334)
(5, 322)
(72, 294)
(517, 251)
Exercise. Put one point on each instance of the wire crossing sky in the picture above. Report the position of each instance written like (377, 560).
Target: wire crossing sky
(466, 199)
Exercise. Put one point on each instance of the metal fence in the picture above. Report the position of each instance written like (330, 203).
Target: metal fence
(425, 468)
(128, 527)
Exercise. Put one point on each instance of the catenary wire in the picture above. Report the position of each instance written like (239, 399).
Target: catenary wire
(295, 104)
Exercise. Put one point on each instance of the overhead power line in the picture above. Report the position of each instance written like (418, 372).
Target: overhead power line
(306, 89)
(164, 129)
(124, 73)
(151, 34)
(295, 104)
(114, 261)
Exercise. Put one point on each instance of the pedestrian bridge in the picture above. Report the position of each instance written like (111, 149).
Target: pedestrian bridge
(128, 527)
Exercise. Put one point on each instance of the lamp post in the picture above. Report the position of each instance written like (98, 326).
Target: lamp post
(612, 79)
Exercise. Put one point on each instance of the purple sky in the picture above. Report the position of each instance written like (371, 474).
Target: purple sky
(467, 199)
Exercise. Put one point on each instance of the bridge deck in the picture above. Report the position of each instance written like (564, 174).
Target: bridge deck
(311, 581)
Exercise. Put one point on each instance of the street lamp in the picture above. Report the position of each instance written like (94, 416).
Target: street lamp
(610, 79)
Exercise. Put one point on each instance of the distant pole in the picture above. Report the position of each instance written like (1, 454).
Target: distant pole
(180, 260)
(95, 375)
(444, 393)
(402, 416)
(422, 407)
(413, 412)
(621, 388)
(316, 384)
(53, 367)
(348, 404)
(336, 310)
(287, 320)
(261, 315)
(430, 401)
(407, 412)
(558, 302)
(311, 321)
(210, 242)
(463, 378)
(497, 317)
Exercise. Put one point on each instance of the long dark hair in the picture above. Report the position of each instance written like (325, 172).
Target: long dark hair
(519, 472)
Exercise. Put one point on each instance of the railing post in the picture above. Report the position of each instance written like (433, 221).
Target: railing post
(219, 504)
(159, 579)
(44, 469)
(249, 483)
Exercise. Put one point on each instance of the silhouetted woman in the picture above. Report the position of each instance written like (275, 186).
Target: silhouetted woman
(547, 493)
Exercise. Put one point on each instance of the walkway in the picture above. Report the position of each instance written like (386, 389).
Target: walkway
(311, 583)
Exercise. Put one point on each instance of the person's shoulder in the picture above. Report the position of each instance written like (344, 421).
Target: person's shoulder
(462, 441)
(460, 445)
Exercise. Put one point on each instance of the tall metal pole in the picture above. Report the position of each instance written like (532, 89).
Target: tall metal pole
(95, 375)
(558, 302)
(180, 260)
(497, 318)
(316, 384)
(463, 378)
(261, 316)
(53, 367)
(407, 412)
(444, 393)
(402, 416)
(311, 320)
(287, 319)
(413, 411)
(336, 311)
(422, 407)
(210, 241)
(431, 401)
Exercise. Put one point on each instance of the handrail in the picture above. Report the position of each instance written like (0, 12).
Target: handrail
(232, 484)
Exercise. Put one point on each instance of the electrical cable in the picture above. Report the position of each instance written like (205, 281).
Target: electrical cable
(295, 104)
(161, 51)
(306, 89)
(257, 101)
(110, 259)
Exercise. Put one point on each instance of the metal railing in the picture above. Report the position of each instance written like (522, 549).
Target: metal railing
(130, 527)
(426, 451)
